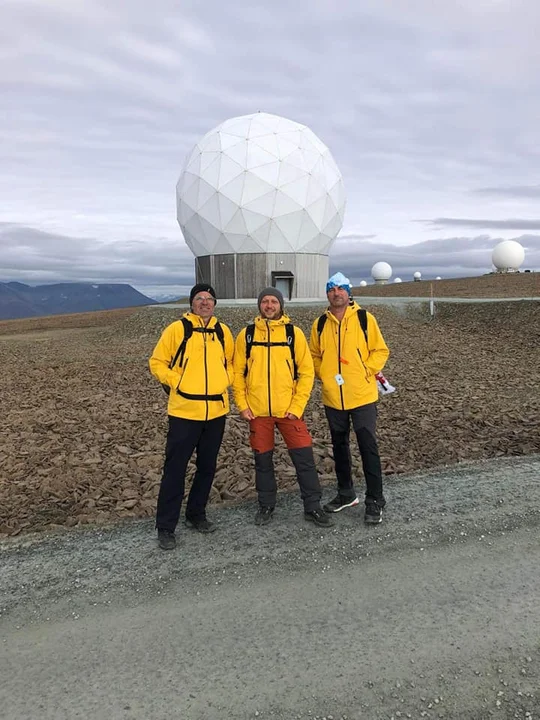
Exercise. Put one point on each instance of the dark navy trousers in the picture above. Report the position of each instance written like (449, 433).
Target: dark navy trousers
(364, 421)
(183, 439)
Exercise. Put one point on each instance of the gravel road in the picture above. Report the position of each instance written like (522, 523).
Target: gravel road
(433, 614)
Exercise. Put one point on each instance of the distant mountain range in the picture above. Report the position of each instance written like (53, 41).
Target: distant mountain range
(166, 297)
(18, 300)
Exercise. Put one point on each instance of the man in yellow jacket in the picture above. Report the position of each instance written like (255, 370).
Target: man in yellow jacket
(193, 360)
(348, 349)
(273, 378)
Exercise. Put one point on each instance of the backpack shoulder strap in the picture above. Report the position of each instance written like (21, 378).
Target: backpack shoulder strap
(179, 356)
(320, 324)
(218, 329)
(250, 333)
(362, 319)
(289, 332)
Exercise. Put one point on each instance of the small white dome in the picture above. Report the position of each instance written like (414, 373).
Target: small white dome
(417, 275)
(381, 271)
(508, 255)
(438, 277)
(363, 283)
(397, 280)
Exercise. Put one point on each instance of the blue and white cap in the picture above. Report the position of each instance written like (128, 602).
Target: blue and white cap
(339, 280)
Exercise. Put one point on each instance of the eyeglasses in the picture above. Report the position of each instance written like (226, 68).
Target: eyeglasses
(202, 298)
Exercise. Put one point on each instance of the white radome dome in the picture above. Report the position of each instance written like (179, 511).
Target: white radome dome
(381, 271)
(260, 183)
(508, 255)
(438, 277)
(363, 283)
(397, 280)
(417, 275)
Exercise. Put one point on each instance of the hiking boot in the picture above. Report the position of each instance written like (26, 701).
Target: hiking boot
(264, 515)
(166, 539)
(202, 525)
(319, 517)
(373, 513)
(340, 503)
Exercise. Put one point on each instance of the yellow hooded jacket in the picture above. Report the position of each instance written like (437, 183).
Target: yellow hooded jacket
(268, 387)
(206, 370)
(342, 350)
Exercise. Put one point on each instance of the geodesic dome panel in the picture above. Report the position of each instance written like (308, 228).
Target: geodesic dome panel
(260, 183)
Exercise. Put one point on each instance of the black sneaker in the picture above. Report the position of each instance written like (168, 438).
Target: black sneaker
(202, 525)
(373, 513)
(166, 539)
(319, 517)
(264, 515)
(340, 503)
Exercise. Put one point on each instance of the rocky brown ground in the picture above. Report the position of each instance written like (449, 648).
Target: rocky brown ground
(514, 285)
(83, 423)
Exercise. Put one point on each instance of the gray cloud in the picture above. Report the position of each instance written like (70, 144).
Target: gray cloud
(516, 191)
(419, 102)
(509, 224)
(447, 257)
(354, 236)
(36, 257)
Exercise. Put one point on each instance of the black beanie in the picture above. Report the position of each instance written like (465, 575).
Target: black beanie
(270, 291)
(201, 287)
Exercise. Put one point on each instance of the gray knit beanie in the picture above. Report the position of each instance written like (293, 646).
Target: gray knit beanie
(270, 291)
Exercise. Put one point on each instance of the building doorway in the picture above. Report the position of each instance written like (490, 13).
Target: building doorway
(283, 280)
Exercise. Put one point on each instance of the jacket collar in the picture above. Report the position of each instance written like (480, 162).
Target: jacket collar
(197, 321)
(263, 322)
(351, 310)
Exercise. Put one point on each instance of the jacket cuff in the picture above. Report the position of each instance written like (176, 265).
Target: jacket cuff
(297, 410)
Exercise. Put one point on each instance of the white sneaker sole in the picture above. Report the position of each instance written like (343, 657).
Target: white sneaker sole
(353, 503)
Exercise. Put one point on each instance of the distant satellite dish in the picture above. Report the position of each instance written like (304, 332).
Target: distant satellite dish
(508, 256)
(381, 272)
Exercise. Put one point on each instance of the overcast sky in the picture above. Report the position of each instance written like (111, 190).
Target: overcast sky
(430, 109)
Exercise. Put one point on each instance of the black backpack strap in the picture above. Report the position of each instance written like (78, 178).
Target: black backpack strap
(250, 333)
(250, 342)
(193, 396)
(320, 324)
(218, 329)
(179, 355)
(188, 331)
(362, 319)
(289, 331)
